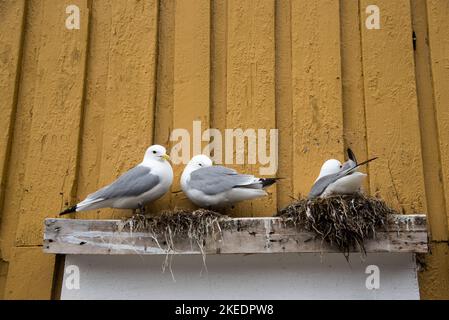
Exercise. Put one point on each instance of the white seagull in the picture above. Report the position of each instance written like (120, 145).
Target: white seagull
(146, 182)
(212, 186)
(339, 179)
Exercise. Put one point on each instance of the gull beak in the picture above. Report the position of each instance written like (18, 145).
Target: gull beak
(166, 157)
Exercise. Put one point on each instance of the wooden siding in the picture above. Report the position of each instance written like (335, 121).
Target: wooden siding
(79, 107)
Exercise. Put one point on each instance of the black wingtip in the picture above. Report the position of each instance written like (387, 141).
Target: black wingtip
(68, 210)
(365, 162)
(266, 182)
(351, 155)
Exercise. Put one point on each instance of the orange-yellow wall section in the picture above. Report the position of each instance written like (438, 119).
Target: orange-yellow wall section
(79, 107)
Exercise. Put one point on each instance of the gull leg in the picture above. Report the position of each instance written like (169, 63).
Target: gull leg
(141, 209)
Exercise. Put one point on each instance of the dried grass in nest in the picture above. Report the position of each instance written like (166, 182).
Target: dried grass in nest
(167, 226)
(342, 221)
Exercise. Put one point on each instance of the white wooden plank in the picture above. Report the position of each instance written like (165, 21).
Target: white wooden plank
(407, 233)
(242, 277)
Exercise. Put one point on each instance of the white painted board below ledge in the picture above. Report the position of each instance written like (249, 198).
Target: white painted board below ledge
(406, 233)
(242, 277)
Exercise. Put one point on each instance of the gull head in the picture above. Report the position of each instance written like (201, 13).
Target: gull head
(348, 164)
(156, 152)
(330, 166)
(199, 161)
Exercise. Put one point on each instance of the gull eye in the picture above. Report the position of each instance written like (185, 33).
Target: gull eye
(154, 151)
(200, 164)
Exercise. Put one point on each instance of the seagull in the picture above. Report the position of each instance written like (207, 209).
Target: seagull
(339, 179)
(146, 182)
(210, 186)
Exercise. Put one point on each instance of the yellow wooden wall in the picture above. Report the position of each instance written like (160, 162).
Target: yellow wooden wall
(79, 107)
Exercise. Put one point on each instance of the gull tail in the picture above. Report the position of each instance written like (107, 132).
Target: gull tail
(351, 155)
(68, 210)
(361, 164)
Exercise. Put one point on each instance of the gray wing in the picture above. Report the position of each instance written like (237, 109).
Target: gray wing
(216, 179)
(132, 183)
(322, 183)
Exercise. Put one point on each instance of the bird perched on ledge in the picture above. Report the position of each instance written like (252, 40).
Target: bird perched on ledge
(338, 179)
(146, 182)
(210, 186)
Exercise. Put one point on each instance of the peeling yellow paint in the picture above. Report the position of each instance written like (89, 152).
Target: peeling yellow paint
(79, 107)
(316, 89)
(434, 278)
(29, 274)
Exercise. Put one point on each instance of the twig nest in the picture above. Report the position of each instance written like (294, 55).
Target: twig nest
(343, 221)
(197, 225)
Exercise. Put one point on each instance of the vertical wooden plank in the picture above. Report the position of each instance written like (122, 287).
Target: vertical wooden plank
(15, 180)
(438, 24)
(316, 81)
(250, 83)
(191, 74)
(163, 123)
(30, 275)
(11, 35)
(51, 161)
(354, 125)
(284, 102)
(218, 72)
(3, 274)
(218, 60)
(96, 104)
(129, 112)
(11, 39)
(391, 107)
(434, 278)
(52, 158)
(436, 207)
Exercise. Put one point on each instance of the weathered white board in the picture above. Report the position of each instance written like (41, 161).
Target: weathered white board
(405, 233)
(237, 276)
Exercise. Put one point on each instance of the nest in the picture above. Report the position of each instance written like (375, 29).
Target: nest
(342, 221)
(197, 225)
(167, 226)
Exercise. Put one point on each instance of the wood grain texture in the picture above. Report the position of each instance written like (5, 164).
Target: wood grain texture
(95, 105)
(11, 44)
(238, 235)
(15, 181)
(88, 102)
(50, 162)
(30, 275)
(284, 102)
(52, 159)
(163, 113)
(316, 85)
(353, 98)
(129, 111)
(430, 146)
(438, 26)
(391, 108)
(219, 49)
(251, 84)
(434, 275)
(11, 36)
(191, 77)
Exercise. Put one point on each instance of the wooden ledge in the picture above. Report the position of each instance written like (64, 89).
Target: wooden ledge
(406, 233)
